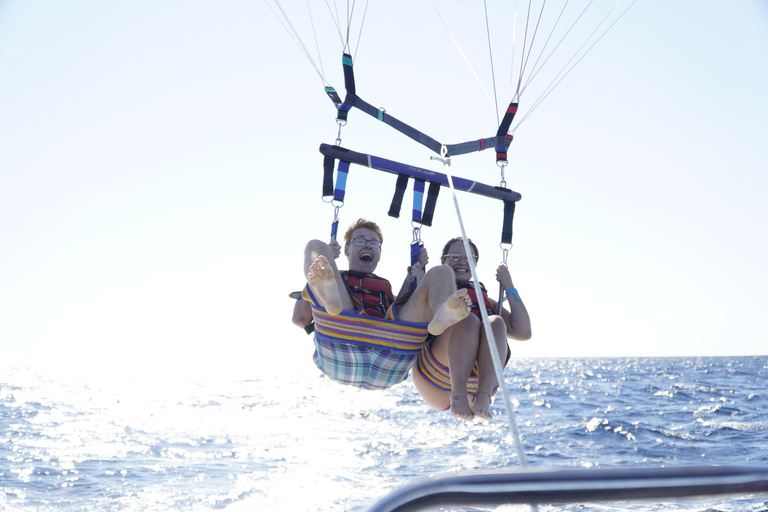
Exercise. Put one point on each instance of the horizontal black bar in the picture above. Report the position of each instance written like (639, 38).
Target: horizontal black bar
(390, 166)
(575, 486)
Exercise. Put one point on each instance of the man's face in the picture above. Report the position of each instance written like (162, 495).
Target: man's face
(365, 257)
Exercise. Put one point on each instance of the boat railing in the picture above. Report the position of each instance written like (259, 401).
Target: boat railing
(574, 486)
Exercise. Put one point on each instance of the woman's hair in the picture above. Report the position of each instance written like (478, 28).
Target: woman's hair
(362, 223)
(460, 239)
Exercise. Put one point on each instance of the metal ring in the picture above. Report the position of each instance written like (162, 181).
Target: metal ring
(416, 232)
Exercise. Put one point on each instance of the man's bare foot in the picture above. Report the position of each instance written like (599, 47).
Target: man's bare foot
(481, 405)
(451, 312)
(323, 283)
(460, 406)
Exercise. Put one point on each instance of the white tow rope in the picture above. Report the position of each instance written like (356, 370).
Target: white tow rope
(498, 366)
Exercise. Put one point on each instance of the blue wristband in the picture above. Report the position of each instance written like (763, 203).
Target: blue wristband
(511, 291)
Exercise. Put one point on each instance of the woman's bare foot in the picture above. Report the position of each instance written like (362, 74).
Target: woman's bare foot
(323, 283)
(455, 309)
(481, 405)
(460, 406)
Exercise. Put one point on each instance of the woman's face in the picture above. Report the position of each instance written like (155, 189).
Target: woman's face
(460, 267)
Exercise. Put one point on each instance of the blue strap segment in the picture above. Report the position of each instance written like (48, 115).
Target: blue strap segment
(334, 229)
(418, 199)
(415, 249)
(341, 181)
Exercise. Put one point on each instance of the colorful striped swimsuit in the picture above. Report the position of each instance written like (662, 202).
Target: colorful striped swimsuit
(437, 373)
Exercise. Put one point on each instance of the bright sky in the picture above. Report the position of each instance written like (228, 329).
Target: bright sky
(159, 176)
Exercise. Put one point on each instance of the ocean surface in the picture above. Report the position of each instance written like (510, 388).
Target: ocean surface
(299, 442)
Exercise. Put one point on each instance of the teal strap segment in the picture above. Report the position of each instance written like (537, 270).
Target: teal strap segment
(331, 92)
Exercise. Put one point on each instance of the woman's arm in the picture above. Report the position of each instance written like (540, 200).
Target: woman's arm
(516, 318)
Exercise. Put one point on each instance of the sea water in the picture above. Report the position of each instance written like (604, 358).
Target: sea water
(299, 442)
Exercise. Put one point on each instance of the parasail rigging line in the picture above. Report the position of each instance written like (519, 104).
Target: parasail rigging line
(558, 78)
(524, 62)
(335, 18)
(293, 33)
(493, 73)
(317, 45)
(463, 56)
(536, 67)
(360, 34)
(522, 53)
(349, 25)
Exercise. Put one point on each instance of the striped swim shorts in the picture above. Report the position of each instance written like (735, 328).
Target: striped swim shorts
(358, 350)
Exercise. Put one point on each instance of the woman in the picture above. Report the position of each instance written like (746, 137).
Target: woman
(456, 366)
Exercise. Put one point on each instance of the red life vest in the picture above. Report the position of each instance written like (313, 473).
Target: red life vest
(473, 297)
(374, 291)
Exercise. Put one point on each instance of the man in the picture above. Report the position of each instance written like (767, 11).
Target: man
(363, 336)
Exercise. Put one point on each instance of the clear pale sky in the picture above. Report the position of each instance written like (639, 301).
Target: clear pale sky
(159, 176)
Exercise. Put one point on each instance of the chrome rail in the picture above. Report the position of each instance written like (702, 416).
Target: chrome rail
(574, 486)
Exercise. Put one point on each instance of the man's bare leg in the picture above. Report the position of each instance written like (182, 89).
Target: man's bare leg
(436, 302)
(324, 278)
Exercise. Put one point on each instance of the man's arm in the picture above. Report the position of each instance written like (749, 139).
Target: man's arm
(302, 314)
(415, 272)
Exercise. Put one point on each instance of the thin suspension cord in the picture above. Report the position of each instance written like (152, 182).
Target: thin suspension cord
(524, 64)
(493, 73)
(349, 24)
(553, 85)
(317, 46)
(335, 17)
(512, 60)
(360, 34)
(466, 60)
(295, 36)
(533, 75)
(536, 66)
(499, 368)
(525, 40)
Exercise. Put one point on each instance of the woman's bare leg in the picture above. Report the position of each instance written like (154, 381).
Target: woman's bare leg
(457, 349)
(486, 372)
(436, 302)
(462, 353)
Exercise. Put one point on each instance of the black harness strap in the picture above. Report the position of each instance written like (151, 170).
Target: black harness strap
(429, 207)
(506, 229)
(397, 200)
(328, 164)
